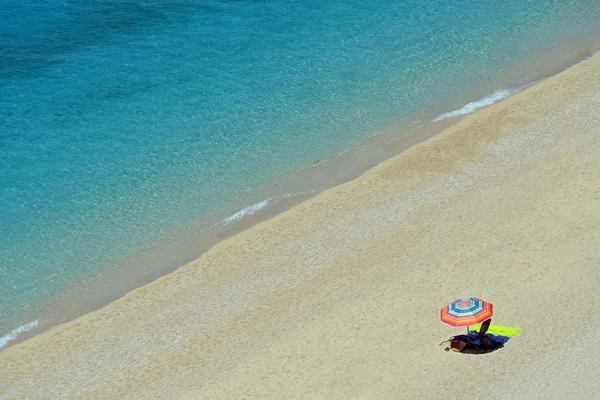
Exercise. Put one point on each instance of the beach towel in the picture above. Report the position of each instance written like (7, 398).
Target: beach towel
(500, 330)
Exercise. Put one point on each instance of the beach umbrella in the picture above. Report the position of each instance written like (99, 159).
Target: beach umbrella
(466, 312)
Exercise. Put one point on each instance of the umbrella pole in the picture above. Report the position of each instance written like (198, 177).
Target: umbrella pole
(467, 330)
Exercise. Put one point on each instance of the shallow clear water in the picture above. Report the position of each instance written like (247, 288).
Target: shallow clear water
(122, 121)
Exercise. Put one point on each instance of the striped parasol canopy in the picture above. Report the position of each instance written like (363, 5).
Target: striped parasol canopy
(466, 312)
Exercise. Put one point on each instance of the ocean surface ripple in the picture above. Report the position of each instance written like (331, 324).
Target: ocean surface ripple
(122, 121)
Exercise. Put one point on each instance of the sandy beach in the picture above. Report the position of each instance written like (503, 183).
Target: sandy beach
(339, 297)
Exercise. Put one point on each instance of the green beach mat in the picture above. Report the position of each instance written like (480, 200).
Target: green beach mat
(500, 330)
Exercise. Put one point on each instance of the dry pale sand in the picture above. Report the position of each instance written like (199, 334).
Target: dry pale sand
(339, 297)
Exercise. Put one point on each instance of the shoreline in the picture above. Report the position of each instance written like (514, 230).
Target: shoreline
(316, 298)
(158, 260)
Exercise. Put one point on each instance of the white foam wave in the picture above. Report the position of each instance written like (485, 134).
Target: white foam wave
(246, 211)
(15, 332)
(474, 105)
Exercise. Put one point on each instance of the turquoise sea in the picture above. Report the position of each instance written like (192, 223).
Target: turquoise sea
(124, 122)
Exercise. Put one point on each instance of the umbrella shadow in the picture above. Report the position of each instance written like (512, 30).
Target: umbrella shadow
(469, 344)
